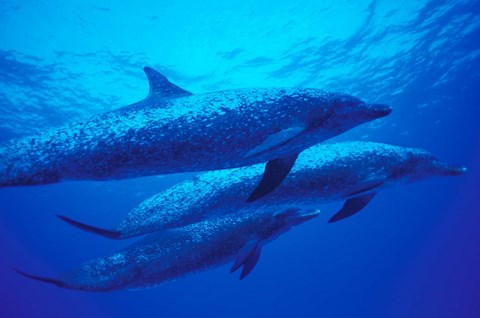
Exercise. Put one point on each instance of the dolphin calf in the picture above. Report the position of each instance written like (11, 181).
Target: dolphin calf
(351, 171)
(172, 254)
(173, 131)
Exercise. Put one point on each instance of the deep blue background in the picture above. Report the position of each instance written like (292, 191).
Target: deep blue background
(413, 252)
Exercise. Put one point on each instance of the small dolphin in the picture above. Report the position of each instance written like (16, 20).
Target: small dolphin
(352, 171)
(173, 131)
(172, 254)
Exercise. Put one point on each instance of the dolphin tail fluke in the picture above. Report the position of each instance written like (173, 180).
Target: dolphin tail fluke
(114, 235)
(48, 280)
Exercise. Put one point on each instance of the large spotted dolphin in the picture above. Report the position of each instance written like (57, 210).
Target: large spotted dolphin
(352, 171)
(173, 131)
(172, 254)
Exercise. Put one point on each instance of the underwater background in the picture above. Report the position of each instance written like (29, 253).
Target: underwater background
(414, 251)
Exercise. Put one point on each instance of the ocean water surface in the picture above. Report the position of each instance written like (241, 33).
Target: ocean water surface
(414, 251)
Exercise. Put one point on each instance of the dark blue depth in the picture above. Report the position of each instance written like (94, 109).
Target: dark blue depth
(412, 252)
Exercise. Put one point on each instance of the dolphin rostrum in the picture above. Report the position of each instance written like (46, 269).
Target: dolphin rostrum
(173, 131)
(351, 171)
(167, 255)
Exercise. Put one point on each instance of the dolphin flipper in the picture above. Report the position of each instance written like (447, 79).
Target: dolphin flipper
(48, 280)
(352, 206)
(275, 171)
(250, 262)
(365, 186)
(243, 254)
(115, 235)
(247, 257)
(160, 86)
(276, 139)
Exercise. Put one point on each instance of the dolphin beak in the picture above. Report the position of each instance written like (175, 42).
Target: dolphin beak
(445, 169)
(378, 110)
(457, 171)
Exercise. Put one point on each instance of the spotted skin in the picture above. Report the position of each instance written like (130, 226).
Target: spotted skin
(173, 254)
(162, 134)
(323, 173)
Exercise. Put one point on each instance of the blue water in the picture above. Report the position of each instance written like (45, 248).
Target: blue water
(413, 252)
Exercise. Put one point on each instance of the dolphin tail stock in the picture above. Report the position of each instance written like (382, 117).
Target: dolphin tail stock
(48, 280)
(114, 235)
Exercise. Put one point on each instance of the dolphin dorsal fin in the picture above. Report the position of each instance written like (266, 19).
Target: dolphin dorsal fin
(161, 87)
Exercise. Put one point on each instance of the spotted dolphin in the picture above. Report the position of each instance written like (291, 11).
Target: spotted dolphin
(172, 254)
(352, 171)
(173, 131)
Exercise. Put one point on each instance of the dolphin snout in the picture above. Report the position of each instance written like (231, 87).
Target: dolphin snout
(445, 169)
(452, 170)
(458, 170)
(379, 110)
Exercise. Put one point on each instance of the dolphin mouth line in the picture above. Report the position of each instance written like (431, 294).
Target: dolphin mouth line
(307, 215)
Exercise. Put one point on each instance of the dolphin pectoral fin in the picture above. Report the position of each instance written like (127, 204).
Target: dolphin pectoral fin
(160, 86)
(115, 235)
(48, 280)
(243, 254)
(247, 257)
(275, 140)
(250, 262)
(365, 186)
(275, 171)
(352, 206)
